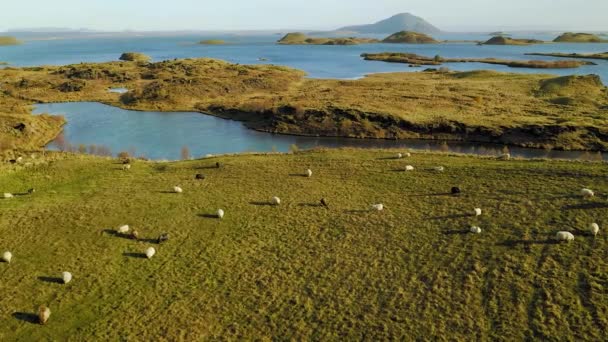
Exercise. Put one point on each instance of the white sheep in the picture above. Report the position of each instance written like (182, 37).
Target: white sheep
(399, 156)
(150, 252)
(8, 195)
(439, 168)
(43, 314)
(409, 168)
(407, 154)
(475, 230)
(66, 277)
(177, 190)
(20, 159)
(477, 211)
(587, 193)
(7, 256)
(564, 236)
(126, 167)
(595, 228)
(378, 207)
(505, 156)
(220, 214)
(123, 229)
(309, 173)
(275, 201)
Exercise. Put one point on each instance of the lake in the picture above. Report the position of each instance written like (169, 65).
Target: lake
(158, 135)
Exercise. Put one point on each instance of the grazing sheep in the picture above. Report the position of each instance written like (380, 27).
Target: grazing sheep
(505, 156)
(177, 190)
(409, 168)
(587, 193)
(150, 252)
(126, 167)
(324, 203)
(200, 176)
(8, 195)
(407, 154)
(66, 277)
(399, 156)
(7, 256)
(220, 214)
(123, 229)
(309, 173)
(439, 169)
(134, 235)
(20, 159)
(43, 314)
(564, 236)
(477, 211)
(162, 238)
(456, 190)
(595, 228)
(378, 207)
(31, 191)
(475, 230)
(218, 165)
(275, 201)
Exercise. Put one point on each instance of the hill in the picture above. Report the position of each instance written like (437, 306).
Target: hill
(570, 37)
(134, 57)
(7, 40)
(212, 42)
(298, 38)
(399, 22)
(503, 40)
(409, 37)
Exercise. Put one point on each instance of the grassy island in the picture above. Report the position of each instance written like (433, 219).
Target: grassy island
(570, 37)
(7, 41)
(414, 59)
(134, 57)
(503, 40)
(302, 271)
(601, 55)
(409, 37)
(544, 111)
(212, 42)
(298, 38)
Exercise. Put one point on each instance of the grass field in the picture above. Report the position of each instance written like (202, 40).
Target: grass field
(300, 271)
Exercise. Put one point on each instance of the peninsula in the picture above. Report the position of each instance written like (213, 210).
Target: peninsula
(570, 37)
(298, 38)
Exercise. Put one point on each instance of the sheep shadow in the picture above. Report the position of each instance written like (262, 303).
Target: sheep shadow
(167, 192)
(262, 204)
(311, 205)
(27, 317)
(52, 280)
(150, 241)
(209, 216)
(358, 211)
(389, 158)
(437, 194)
(135, 255)
(584, 206)
(457, 232)
(114, 233)
(454, 216)
(513, 243)
(298, 175)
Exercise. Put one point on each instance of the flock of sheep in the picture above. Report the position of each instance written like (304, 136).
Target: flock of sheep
(44, 312)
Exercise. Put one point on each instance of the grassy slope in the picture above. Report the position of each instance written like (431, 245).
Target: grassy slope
(476, 106)
(570, 37)
(300, 271)
(409, 37)
(297, 38)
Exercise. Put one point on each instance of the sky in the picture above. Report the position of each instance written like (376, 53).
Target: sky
(171, 15)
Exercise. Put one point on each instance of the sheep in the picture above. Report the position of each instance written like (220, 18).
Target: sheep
(564, 236)
(134, 235)
(218, 165)
(20, 159)
(31, 191)
(477, 211)
(123, 229)
(587, 193)
(7, 256)
(126, 167)
(439, 169)
(199, 176)
(409, 168)
(275, 201)
(505, 156)
(162, 238)
(378, 207)
(456, 190)
(399, 156)
(407, 154)
(43, 314)
(595, 228)
(177, 190)
(324, 203)
(220, 214)
(150, 252)
(8, 195)
(66, 277)
(308, 173)
(475, 230)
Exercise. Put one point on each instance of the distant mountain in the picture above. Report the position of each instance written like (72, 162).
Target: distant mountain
(396, 23)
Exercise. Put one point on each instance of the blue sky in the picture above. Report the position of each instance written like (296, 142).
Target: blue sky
(454, 15)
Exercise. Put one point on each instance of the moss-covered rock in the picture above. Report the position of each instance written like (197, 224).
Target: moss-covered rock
(134, 57)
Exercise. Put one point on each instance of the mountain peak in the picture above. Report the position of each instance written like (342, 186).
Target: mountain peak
(398, 22)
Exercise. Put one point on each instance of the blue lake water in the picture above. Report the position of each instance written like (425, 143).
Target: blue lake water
(158, 135)
(318, 61)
